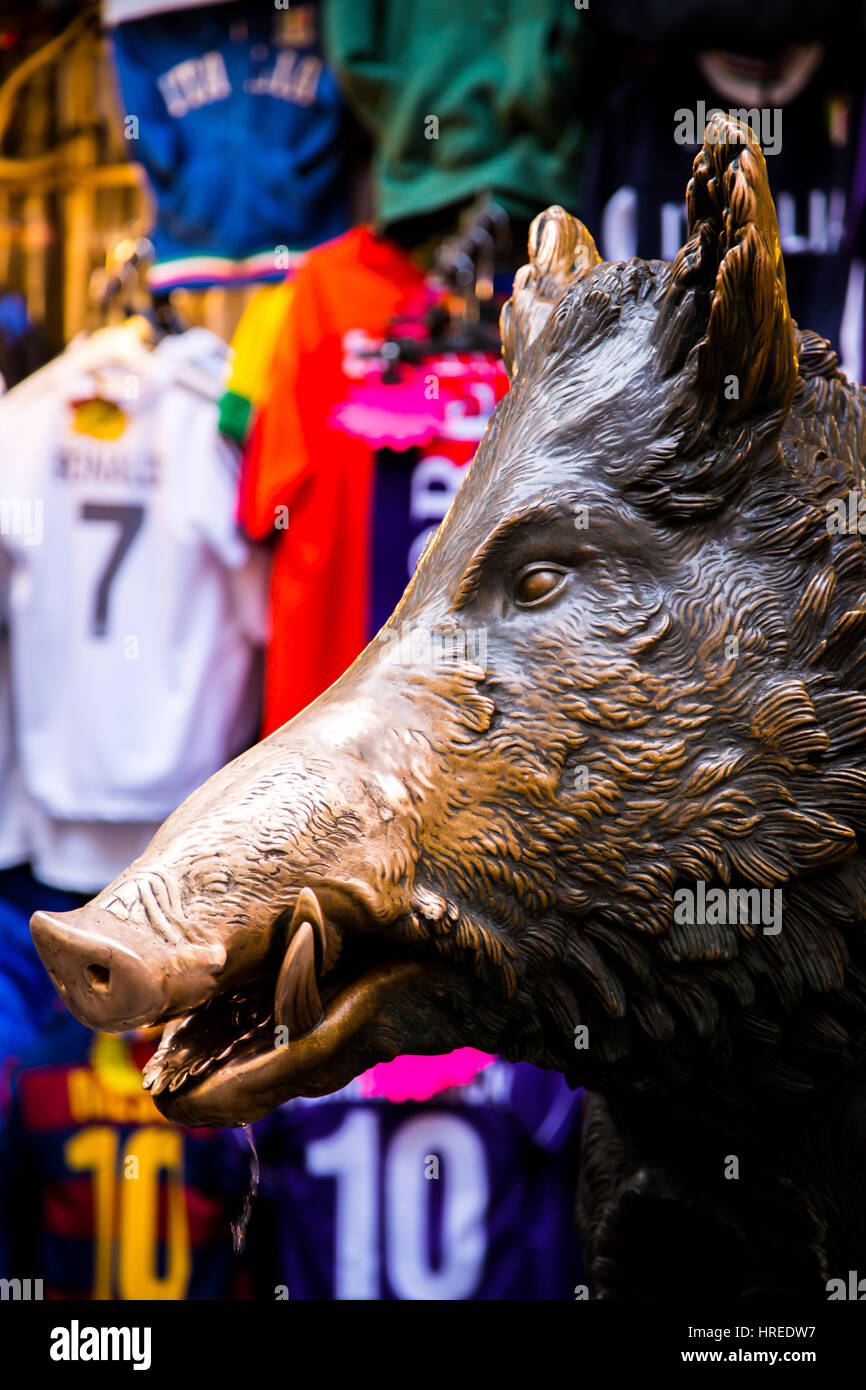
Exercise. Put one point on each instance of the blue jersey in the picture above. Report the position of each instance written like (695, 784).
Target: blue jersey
(468, 1195)
(28, 999)
(241, 129)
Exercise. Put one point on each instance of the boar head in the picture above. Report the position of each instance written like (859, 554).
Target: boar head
(453, 848)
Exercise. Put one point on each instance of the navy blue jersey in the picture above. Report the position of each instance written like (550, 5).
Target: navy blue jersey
(28, 1000)
(639, 163)
(468, 1195)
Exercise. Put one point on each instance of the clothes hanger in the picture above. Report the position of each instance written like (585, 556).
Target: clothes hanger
(124, 277)
(149, 318)
(466, 319)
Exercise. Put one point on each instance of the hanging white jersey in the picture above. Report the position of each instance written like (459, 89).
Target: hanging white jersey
(80, 856)
(135, 663)
(83, 856)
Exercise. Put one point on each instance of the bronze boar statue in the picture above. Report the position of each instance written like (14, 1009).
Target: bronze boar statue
(626, 844)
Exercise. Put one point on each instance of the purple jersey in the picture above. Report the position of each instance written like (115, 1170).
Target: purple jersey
(468, 1195)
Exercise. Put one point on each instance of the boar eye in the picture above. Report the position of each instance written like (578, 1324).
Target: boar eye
(537, 582)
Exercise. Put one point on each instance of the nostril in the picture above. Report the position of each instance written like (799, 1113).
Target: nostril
(98, 977)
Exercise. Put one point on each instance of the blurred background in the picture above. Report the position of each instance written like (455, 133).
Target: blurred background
(252, 259)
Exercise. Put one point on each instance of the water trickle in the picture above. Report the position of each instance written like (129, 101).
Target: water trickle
(240, 1223)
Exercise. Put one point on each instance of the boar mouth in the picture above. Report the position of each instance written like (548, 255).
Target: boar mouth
(334, 1010)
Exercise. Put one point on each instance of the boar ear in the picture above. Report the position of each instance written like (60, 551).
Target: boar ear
(560, 251)
(729, 282)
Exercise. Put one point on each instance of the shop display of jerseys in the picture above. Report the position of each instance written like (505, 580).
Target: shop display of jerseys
(112, 1201)
(241, 130)
(136, 608)
(349, 512)
(469, 1195)
(644, 143)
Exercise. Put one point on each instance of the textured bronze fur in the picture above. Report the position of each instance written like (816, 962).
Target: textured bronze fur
(516, 834)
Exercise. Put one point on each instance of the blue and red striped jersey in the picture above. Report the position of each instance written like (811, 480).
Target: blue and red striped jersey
(102, 1198)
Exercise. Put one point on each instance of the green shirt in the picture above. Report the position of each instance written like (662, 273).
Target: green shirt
(464, 97)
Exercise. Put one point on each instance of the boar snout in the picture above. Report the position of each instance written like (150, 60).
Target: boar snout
(107, 981)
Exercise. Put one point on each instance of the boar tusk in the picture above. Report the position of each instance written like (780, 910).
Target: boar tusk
(308, 909)
(297, 1005)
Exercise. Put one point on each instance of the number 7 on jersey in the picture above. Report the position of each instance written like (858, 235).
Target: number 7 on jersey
(129, 518)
